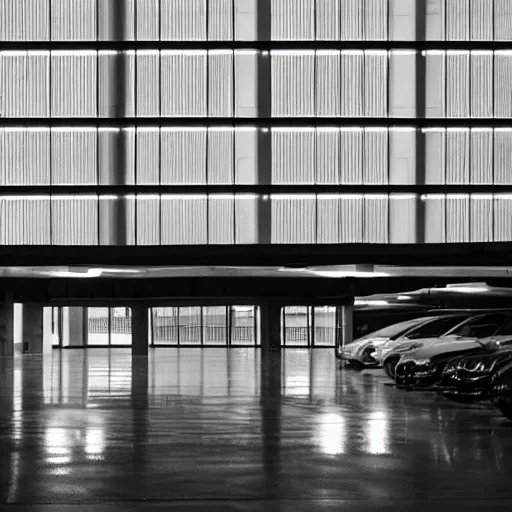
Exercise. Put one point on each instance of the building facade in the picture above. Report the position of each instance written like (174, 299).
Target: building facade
(206, 122)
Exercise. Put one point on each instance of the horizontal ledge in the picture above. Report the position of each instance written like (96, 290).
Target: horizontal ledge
(292, 255)
(254, 45)
(243, 122)
(212, 190)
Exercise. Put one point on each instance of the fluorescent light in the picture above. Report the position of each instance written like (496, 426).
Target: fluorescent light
(348, 273)
(361, 302)
(92, 272)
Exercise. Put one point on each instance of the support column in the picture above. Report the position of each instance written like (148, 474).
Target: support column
(421, 87)
(73, 327)
(140, 327)
(270, 325)
(345, 327)
(7, 326)
(114, 146)
(264, 92)
(32, 330)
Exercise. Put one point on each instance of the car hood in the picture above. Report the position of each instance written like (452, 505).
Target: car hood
(453, 345)
(359, 343)
(404, 343)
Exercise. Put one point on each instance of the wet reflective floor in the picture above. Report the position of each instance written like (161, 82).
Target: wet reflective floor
(235, 430)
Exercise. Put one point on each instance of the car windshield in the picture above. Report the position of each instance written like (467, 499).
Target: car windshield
(395, 330)
(506, 328)
(479, 326)
(435, 328)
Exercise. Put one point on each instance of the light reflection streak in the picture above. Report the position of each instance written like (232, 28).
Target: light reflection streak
(331, 434)
(377, 434)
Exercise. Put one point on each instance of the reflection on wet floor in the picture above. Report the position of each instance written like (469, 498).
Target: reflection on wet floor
(102, 429)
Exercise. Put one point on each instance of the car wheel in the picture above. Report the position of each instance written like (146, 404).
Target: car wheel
(506, 408)
(390, 365)
(366, 356)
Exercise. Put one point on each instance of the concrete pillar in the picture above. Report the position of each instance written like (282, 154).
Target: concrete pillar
(33, 330)
(347, 324)
(140, 327)
(264, 101)
(7, 326)
(421, 88)
(73, 327)
(270, 325)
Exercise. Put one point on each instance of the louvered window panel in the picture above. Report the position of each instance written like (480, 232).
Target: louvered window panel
(113, 88)
(352, 20)
(482, 172)
(481, 219)
(328, 156)
(457, 156)
(148, 220)
(115, 214)
(293, 219)
(215, 330)
(220, 169)
(74, 84)
(352, 70)
(246, 218)
(184, 91)
(293, 156)
(503, 218)
(503, 84)
(221, 220)
(376, 215)
(435, 88)
(502, 20)
(148, 156)
(481, 22)
(328, 219)
(190, 326)
(503, 156)
(73, 20)
(148, 84)
(148, 20)
(184, 220)
(183, 20)
(293, 20)
(481, 84)
(375, 168)
(435, 219)
(457, 219)
(220, 20)
(402, 218)
(457, 20)
(293, 84)
(24, 156)
(351, 155)
(328, 83)
(116, 156)
(183, 156)
(24, 20)
(25, 221)
(376, 20)
(328, 22)
(75, 220)
(74, 156)
(375, 84)
(351, 219)
(435, 156)
(24, 87)
(220, 83)
(457, 91)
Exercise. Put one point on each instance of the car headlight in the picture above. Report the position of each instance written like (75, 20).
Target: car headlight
(420, 362)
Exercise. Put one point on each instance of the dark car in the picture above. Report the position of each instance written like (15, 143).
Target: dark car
(469, 378)
(424, 367)
(502, 390)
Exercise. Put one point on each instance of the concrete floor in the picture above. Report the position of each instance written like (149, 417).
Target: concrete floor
(232, 430)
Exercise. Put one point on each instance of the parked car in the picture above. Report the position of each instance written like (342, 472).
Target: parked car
(360, 353)
(502, 390)
(423, 367)
(477, 326)
(469, 378)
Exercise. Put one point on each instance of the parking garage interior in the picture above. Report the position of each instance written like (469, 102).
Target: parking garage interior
(218, 218)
